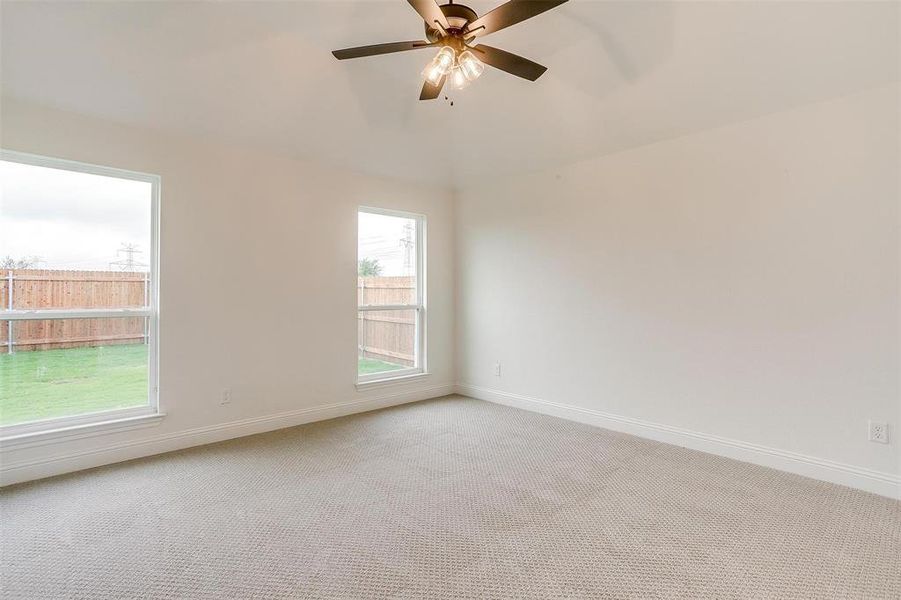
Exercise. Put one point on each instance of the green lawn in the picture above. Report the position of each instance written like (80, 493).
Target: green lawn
(371, 365)
(55, 383)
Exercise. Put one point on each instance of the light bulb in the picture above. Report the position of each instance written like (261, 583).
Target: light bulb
(432, 73)
(457, 79)
(445, 59)
(439, 66)
(471, 66)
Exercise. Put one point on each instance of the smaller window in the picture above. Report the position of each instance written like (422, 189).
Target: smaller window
(390, 298)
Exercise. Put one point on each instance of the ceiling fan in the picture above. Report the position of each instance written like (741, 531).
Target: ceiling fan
(452, 28)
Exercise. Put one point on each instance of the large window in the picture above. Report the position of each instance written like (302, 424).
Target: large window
(78, 294)
(390, 298)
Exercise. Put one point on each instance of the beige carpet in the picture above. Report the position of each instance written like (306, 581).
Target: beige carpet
(452, 498)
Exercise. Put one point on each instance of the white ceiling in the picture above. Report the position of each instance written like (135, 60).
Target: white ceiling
(621, 74)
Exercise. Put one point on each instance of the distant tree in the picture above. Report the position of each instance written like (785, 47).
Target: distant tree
(369, 267)
(26, 262)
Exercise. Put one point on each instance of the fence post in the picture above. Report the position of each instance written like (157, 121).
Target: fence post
(146, 304)
(361, 316)
(9, 306)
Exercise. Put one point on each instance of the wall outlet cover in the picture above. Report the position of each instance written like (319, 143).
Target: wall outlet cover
(878, 432)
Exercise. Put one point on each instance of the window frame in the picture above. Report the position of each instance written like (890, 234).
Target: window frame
(116, 419)
(420, 354)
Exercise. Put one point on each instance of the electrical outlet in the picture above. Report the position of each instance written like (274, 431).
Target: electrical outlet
(226, 397)
(497, 369)
(878, 432)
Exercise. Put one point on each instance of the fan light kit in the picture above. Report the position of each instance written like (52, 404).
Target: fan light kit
(459, 70)
(452, 28)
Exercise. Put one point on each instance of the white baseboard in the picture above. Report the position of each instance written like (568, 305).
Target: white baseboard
(885, 484)
(59, 463)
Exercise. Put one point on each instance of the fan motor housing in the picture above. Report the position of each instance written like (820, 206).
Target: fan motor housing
(458, 17)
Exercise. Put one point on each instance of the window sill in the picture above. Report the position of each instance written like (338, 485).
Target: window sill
(75, 432)
(378, 383)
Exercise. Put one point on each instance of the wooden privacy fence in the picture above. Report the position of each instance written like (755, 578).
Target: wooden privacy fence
(26, 289)
(388, 335)
(383, 335)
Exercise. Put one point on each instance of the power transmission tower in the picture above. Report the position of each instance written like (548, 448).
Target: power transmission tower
(128, 263)
(408, 243)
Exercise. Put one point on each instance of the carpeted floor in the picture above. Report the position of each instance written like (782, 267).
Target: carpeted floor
(450, 498)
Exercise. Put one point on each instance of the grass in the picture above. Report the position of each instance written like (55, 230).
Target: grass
(371, 365)
(56, 383)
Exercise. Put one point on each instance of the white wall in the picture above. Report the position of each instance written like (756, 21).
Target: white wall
(258, 279)
(741, 283)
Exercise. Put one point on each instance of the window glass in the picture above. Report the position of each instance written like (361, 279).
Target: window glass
(387, 340)
(387, 256)
(76, 245)
(70, 367)
(390, 315)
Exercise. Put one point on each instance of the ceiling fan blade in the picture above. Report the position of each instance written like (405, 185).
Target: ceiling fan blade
(511, 63)
(510, 13)
(430, 12)
(429, 91)
(377, 49)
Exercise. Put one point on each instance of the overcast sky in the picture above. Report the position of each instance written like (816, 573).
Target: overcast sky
(71, 220)
(79, 221)
(383, 238)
